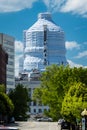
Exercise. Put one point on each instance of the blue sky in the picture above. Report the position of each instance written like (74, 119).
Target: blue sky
(70, 15)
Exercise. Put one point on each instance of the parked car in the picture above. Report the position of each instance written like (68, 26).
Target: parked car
(65, 125)
(45, 119)
(12, 120)
(60, 121)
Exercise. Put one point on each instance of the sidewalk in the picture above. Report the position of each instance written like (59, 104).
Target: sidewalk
(8, 127)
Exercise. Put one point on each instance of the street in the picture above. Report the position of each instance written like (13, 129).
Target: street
(37, 125)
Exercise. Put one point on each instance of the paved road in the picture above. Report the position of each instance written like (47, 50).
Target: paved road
(37, 125)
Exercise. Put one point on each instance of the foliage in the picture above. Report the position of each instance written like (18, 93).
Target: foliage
(2, 88)
(20, 99)
(6, 105)
(56, 81)
(74, 102)
(51, 92)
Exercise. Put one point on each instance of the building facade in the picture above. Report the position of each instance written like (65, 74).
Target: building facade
(44, 44)
(35, 107)
(3, 64)
(7, 43)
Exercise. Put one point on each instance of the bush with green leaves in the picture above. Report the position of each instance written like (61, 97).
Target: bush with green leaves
(56, 83)
(20, 99)
(6, 105)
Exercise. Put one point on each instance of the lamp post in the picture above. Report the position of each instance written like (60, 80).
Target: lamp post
(84, 119)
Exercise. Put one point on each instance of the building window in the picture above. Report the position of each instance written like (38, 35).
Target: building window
(34, 110)
(10, 63)
(10, 69)
(40, 110)
(10, 83)
(10, 76)
(34, 103)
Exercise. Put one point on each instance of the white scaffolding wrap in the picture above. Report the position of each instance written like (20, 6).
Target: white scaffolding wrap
(44, 44)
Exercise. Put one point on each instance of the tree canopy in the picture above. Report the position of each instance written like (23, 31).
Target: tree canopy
(2, 88)
(74, 102)
(56, 83)
(20, 99)
(6, 105)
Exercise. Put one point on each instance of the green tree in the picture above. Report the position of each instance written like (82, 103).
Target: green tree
(20, 98)
(80, 74)
(74, 102)
(6, 105)
(2, 88)
(55, 83)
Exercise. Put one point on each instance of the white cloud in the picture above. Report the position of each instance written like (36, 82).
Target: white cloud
(53, 5)
(71, 45)
(72, 64)
(74, 6)
(17, 57)
(15, 5)
(16, 65)
(18, 47)
(81, 54)
(18, 54)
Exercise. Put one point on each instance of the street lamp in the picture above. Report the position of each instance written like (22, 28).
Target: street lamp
(84, 113)
(84, 119)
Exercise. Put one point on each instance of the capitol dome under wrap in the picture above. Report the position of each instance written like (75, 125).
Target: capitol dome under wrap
(44, 44)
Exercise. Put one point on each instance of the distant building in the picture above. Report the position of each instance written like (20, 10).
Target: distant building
(32, 82)
(3, 63)
(44, 45)
(7, 43)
